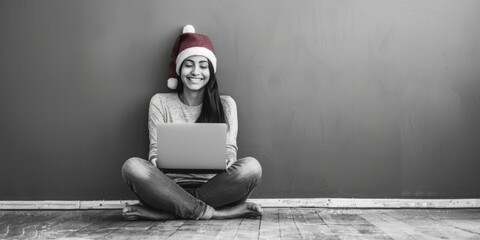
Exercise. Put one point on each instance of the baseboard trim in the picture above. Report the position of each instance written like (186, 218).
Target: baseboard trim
(265, 202)
(369, 203)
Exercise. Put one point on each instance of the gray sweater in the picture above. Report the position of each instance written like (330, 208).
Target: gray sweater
(167, 108)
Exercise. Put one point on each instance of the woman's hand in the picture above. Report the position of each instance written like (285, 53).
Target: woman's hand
(230, 161)
(154, 162)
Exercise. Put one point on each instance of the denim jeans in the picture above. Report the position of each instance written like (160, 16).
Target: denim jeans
(157, 191)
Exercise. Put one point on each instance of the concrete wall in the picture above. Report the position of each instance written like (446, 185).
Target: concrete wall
(368, 98)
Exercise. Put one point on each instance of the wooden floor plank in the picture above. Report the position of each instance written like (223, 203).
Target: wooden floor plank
(426, 222)
(466, 220)
(336, 222)
(209, 229)
(311, 226)
(5, 216)
(130, 230)
(366, 229)
(451, 225)
(447, 229)
(248, 229)
(269, 225)
(83, 222)
(393, 230)
(9, 219)
(60, 217)
(116, 221)
(73, 220)
(288, 228)
(191, 229)
(348, 224)
(100, 226)
(163, 229)
(27, 224)
(468, 225)
(229, 229)
(405, 226)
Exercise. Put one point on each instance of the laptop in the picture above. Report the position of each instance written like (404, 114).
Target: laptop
(192, 147)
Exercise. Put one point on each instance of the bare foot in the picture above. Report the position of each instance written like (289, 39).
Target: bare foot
(242, 210)
(139, 212)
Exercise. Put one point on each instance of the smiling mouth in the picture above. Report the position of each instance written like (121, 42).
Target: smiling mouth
(195, 80)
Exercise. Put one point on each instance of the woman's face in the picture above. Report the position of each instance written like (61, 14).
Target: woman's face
(194, 73)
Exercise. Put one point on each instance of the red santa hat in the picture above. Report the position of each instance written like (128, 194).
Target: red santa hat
(189, 44)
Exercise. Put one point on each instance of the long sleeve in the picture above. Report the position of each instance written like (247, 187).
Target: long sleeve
(230, 108)
(155, 117)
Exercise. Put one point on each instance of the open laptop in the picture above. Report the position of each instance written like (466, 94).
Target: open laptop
(191, 147)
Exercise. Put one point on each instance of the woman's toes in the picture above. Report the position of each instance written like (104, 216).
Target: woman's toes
(254, 207)
(129, 211)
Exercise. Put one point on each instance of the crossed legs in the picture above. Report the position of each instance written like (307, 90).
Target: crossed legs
(221, 197)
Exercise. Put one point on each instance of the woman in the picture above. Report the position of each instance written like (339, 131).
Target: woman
(166, 196)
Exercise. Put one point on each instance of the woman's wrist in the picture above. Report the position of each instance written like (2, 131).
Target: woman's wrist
(154, 161)
(231, 155)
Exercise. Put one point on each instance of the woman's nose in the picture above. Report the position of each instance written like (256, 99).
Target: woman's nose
(195, 70)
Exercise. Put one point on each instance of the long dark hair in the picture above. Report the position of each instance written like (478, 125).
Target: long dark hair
(212, 108)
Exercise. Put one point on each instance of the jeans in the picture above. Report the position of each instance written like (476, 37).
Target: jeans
(157, 191)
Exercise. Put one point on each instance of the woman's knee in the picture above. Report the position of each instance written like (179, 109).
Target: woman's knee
(252, 168)
(134, 167)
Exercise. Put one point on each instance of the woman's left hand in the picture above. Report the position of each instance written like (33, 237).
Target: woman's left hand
(230, 161)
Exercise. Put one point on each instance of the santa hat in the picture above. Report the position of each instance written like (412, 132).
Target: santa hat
(189, 44)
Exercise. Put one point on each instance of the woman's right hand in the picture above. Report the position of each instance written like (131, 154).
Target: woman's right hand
(154, 162)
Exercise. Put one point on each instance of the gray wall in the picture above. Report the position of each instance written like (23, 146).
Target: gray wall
(367, 98)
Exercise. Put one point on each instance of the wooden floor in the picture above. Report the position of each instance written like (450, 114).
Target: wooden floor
(276, 223)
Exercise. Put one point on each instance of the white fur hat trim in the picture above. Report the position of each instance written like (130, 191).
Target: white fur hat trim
(201, 51)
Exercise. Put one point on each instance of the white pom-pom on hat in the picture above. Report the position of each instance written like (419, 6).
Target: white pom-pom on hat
(188, 29)
(172, 83)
